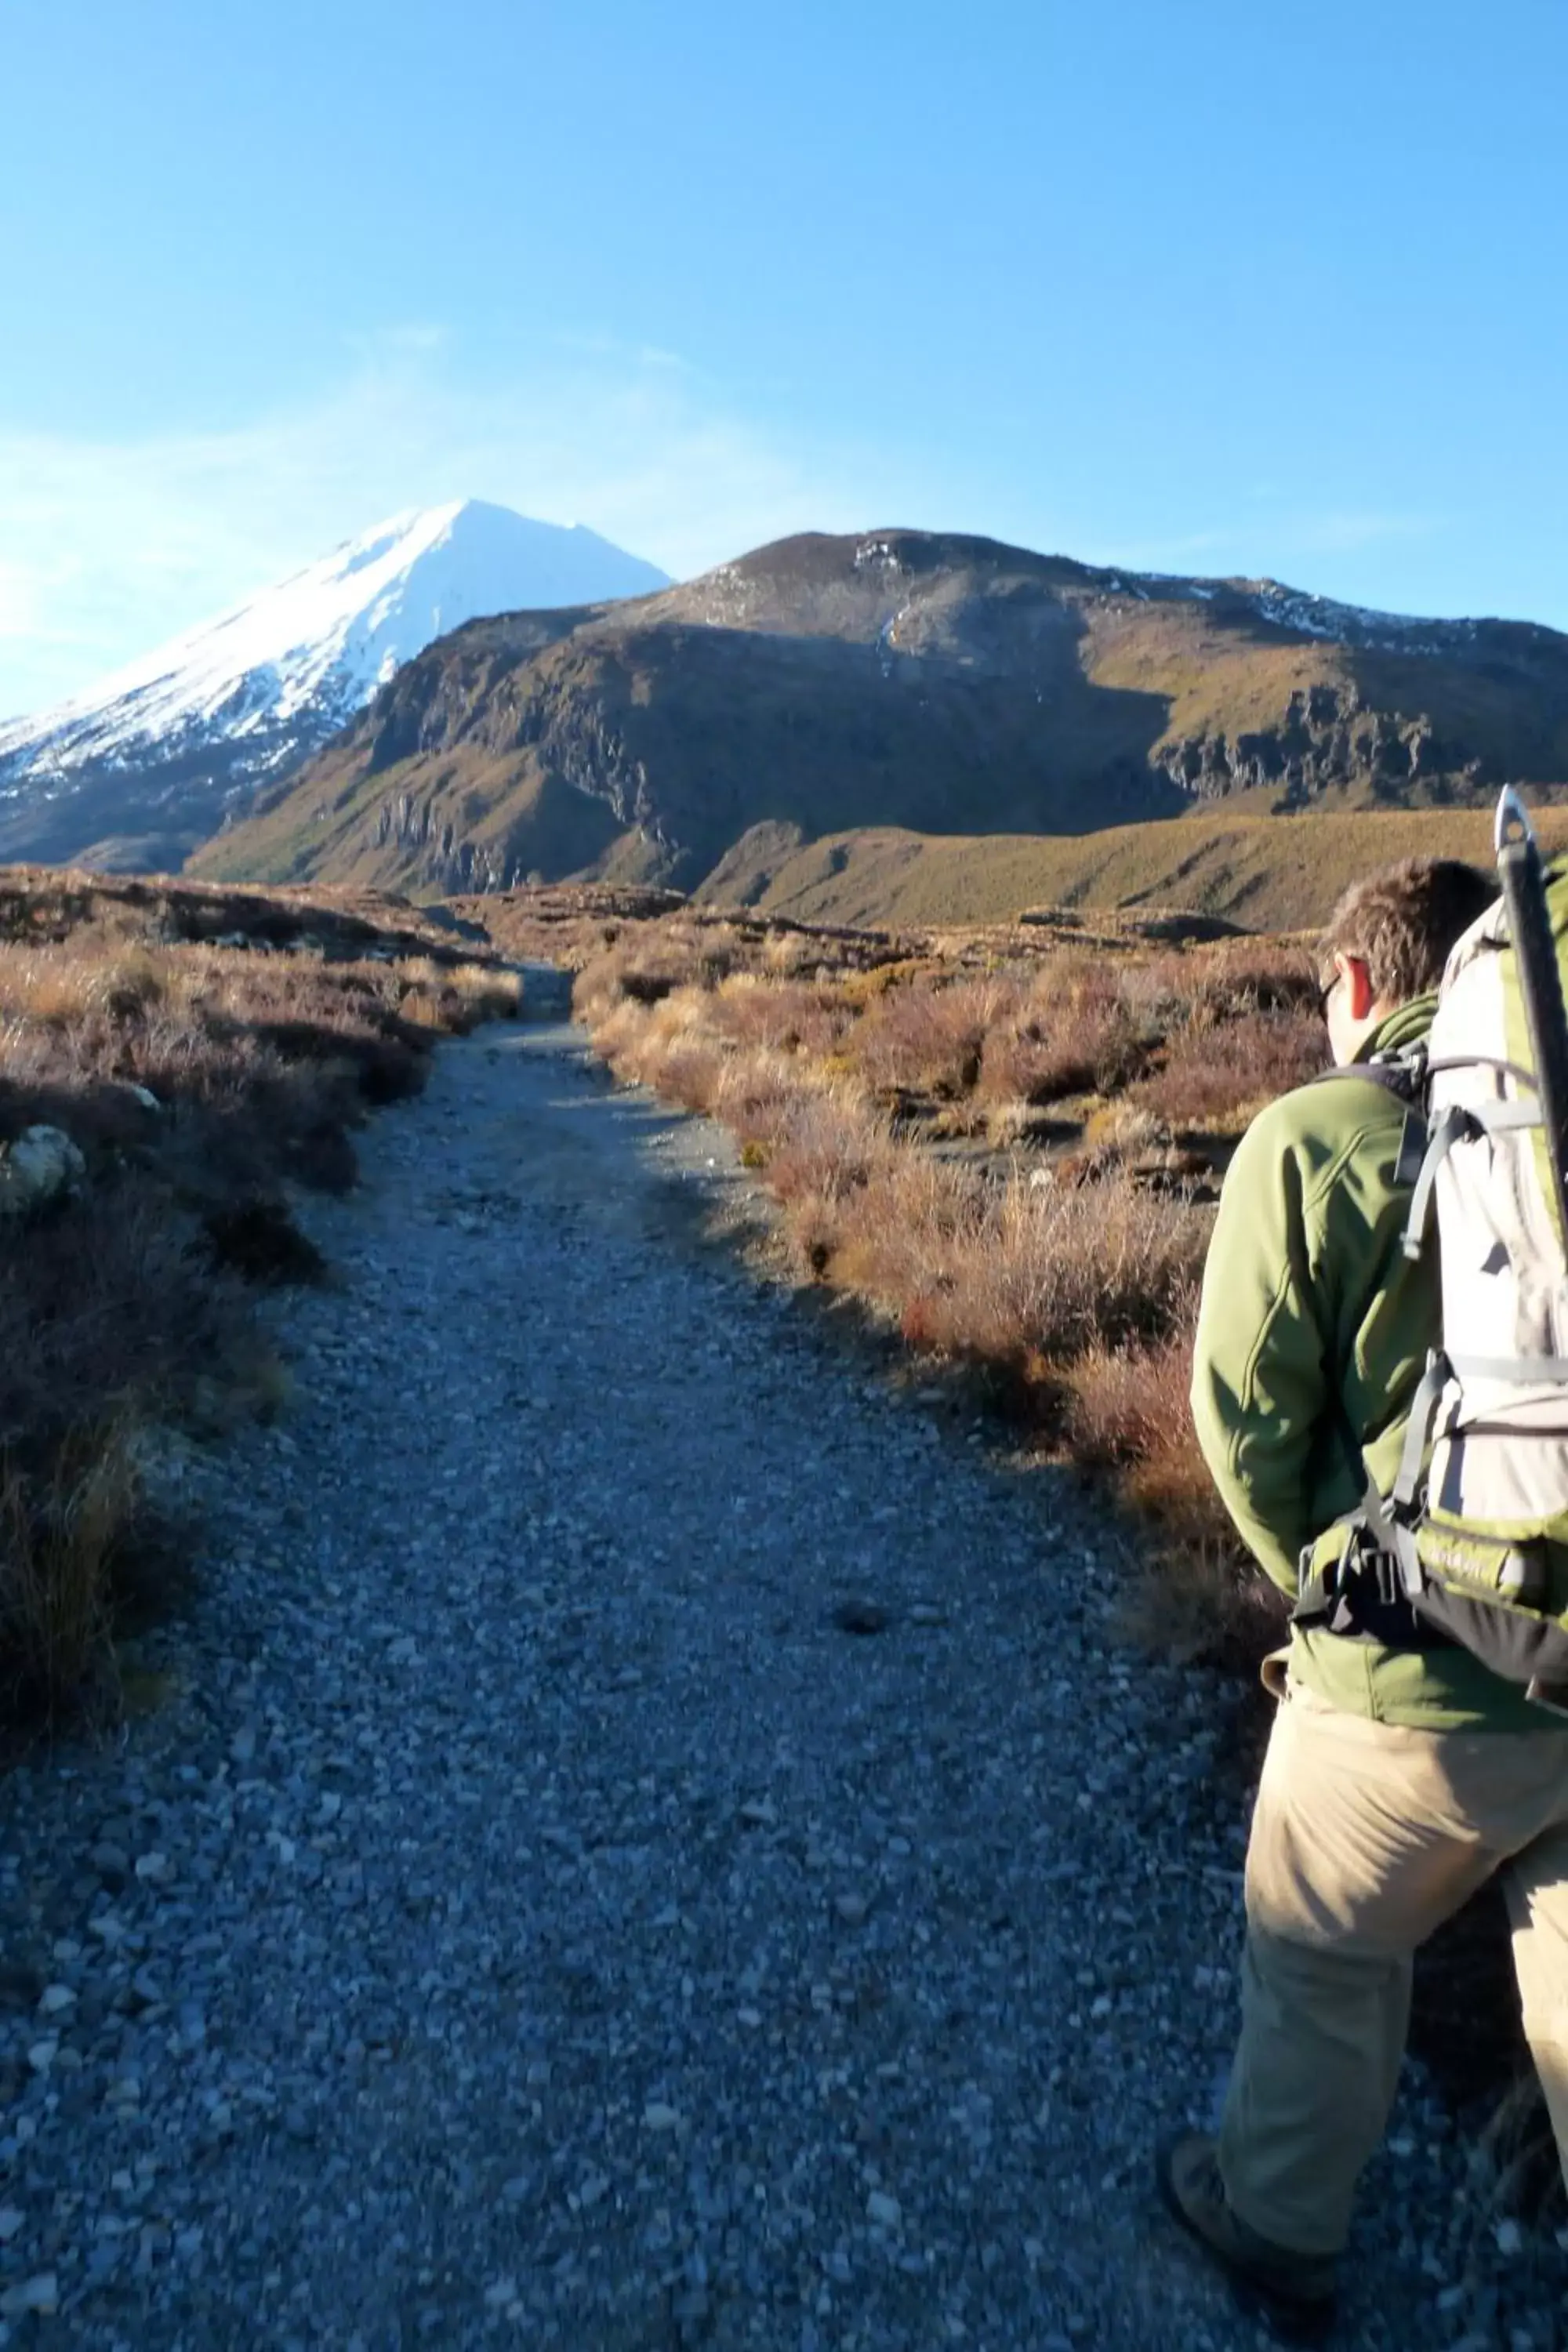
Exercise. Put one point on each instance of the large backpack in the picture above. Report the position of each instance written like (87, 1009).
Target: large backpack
(1474, 1538)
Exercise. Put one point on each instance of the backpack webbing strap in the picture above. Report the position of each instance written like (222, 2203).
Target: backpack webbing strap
(1419, 1432)
(1457, 1124)
(1412, 1155)
(1454, 1126)
(1514, 1070)
(1523, 1372)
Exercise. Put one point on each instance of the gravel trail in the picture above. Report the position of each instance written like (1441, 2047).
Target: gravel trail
(535, 1916)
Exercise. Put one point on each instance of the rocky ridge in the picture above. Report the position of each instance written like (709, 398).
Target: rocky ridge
(926, 681)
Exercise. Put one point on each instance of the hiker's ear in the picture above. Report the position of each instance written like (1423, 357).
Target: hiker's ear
(1359, 998)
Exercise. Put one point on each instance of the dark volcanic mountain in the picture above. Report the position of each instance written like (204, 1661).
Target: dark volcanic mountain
(926, 680)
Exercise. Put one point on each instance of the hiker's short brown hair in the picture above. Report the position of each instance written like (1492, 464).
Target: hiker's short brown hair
(1401, 922)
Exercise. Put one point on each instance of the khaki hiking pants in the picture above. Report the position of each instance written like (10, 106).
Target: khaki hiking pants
(1366, 1837)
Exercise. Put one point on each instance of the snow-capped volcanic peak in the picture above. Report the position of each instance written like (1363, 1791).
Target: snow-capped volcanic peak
(298, 659)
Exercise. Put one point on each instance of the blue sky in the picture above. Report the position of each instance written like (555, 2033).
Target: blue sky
(1227, 286)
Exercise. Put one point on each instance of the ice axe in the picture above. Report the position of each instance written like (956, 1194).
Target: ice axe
(1524, 880)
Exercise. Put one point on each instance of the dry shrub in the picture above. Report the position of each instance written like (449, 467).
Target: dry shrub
(828, 1152)
(928, 1039)
(828, 1146)
(260, 1241)
(104, 1311)
(789, 955)
(1201, 1599)
(260, 1059)
(1194, 1591)
(1158, 991)
(902, 1237)
(689, 1073)
(1074, 1034)
(1242, 976)
(108, 1321)
(1121, 1132)
(61, 1536)
(1220, 1074)
(757, 1094)
(1047, 1271)
(781, 1016)
(648, 962)
(209, 1032)
(669, 1046)
(455, 999)
(638, 1039)
(1128, 1411)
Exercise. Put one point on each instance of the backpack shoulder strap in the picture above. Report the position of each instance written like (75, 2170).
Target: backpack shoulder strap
(1404, 1075)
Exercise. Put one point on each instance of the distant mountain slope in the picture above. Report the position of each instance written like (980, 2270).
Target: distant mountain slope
(943, 684)
(148, 761)
(1230, 857)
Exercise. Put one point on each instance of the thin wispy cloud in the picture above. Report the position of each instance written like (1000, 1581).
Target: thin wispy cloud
(1276, 541)
(1335, 534)
(107, 547)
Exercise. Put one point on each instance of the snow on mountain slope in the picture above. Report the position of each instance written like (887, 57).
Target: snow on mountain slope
(337, 629)
(244, 698)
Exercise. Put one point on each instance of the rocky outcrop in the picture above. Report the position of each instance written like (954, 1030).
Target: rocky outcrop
(1330, 739)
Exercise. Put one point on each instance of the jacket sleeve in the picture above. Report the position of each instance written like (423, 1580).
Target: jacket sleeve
(1260, 1387)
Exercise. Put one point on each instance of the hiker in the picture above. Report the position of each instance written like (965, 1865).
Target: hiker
(1401, 1772)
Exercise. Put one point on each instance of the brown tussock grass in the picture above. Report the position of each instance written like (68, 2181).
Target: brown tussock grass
(1221, 1073)
(60, 1538)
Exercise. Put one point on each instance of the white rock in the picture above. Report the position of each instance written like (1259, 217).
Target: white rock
(1509, 2236)
(660, 2117)
(884, 2210)
(57, 2000)
(41, 1166)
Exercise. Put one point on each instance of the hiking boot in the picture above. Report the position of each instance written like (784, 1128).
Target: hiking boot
(1294, 2293)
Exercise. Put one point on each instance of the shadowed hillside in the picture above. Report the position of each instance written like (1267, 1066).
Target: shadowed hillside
(943, 684)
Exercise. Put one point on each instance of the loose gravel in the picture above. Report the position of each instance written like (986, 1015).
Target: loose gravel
(648, 1841)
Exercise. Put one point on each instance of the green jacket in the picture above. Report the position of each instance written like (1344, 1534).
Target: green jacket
(1314, 1325)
